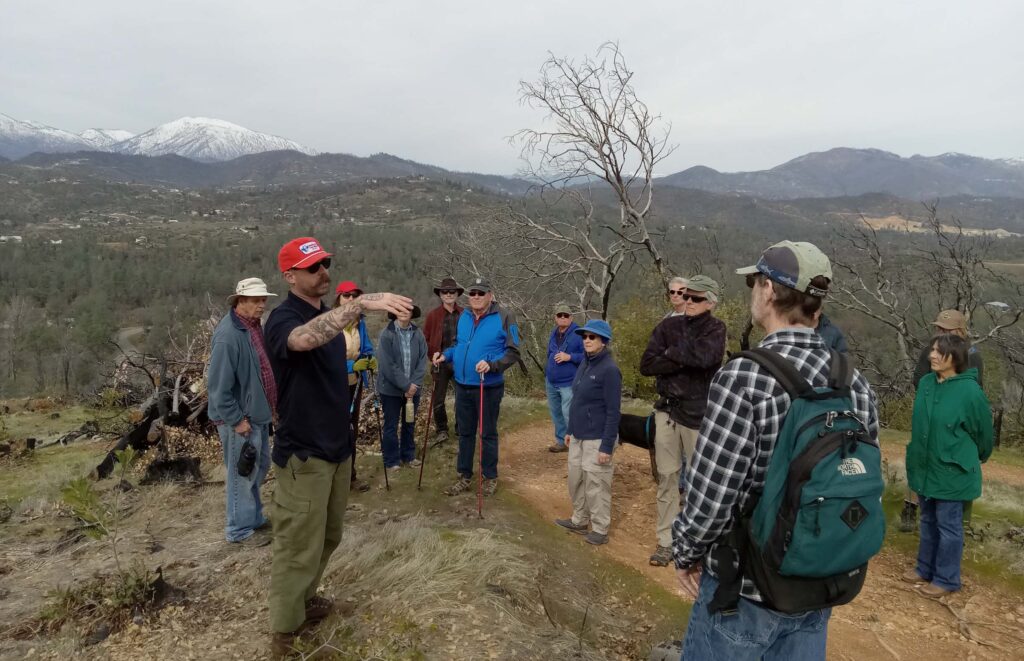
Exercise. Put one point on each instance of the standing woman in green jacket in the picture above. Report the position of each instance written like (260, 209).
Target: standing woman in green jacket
(951, 436)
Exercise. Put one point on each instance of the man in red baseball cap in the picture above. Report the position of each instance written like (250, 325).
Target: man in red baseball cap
(312, 453)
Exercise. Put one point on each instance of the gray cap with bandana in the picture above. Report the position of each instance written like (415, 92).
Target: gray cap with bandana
(793, 264)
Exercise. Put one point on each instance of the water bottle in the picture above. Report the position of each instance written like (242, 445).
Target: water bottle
(410, 411)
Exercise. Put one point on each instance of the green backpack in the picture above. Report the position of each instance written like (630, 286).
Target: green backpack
(806, 539)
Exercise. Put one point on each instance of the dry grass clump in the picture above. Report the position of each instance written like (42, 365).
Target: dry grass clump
(470, 591)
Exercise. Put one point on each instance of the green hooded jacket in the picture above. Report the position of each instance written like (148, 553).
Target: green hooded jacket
(951, 436)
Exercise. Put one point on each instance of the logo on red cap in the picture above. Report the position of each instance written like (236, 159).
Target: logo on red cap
(299, 253)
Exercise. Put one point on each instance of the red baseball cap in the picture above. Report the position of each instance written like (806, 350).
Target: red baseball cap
(347, 286)
(300, 252)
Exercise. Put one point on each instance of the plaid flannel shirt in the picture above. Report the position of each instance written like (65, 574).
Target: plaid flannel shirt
(746, 409)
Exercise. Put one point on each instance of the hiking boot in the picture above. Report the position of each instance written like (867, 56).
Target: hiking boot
(282, 646)
(463, 484)
(911, 576)
(596, 538)
(255, 540)
(318, 608)
(558, 447)
(439, 438)
(580, 529)
(359, 485)
(490, 486)
(933, 591)
(662, 556)
(415, 463)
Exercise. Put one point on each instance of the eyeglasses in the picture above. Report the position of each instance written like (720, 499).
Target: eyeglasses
(450, 291)
(563, 315)
(695, 299)
(315, 268)
(476, 294)
(676, 292)
(591, 336)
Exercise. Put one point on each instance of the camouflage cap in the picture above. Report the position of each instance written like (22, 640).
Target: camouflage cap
(793, 264)
(703, 283)
(951, 320)
(563, 308)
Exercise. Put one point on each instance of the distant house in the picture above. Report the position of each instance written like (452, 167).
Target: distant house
(10, 239)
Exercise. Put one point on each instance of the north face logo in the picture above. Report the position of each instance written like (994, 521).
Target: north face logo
(852, 466)
(309, 247)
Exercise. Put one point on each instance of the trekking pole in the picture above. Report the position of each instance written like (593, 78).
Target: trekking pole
(353, 409)
(380, 432)
(480, 480)
(426, 430)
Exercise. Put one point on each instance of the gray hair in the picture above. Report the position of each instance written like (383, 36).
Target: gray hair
(679, 280)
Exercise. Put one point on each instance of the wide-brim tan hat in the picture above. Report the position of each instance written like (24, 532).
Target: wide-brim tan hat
(249, 287)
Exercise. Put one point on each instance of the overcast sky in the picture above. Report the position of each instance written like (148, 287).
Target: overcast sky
(745, 85)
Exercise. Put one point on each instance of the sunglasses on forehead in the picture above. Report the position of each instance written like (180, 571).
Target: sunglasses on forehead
(315, 268)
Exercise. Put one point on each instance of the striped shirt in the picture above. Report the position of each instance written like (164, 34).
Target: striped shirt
(746, 409)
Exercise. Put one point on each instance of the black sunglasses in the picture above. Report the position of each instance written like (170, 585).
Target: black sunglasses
(591, 336)
(349, 294)
(475, 293)
(695, 299)
(751, 280)
(675, 292)
(562, 315)
(315, 268)
(450, 291)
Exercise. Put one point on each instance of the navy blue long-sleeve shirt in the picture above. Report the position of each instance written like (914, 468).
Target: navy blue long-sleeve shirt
(596, 401)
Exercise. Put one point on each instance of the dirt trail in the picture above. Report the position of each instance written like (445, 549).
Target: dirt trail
(1008, 475)
(888, 620)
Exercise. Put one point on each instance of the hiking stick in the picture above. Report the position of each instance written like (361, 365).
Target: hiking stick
(426, 430)
(480, 480)
(380, 431)
(354, 424)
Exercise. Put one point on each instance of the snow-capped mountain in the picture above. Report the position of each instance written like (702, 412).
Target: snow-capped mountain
(103, 138)
(204, 139)
(20, 138)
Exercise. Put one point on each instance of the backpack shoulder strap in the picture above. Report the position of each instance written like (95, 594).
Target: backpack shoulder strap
(840, 373)
(783, 371)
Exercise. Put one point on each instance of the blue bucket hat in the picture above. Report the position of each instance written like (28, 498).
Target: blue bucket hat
(597, 327)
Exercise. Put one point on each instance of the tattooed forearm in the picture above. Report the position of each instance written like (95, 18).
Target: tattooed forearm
(323, 328)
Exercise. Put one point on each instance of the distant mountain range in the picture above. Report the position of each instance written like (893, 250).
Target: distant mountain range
(274, 168)
(845, 172)
(197, 138)
(204, 152)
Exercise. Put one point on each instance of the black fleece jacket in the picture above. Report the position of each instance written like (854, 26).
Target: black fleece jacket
(683, 354)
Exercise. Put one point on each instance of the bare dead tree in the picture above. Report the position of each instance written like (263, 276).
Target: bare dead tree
(902, 291)
(598, 137)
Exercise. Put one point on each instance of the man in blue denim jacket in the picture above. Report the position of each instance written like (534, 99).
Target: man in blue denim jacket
(242, 397)
(565, 353)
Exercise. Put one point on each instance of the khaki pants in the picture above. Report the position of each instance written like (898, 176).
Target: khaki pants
(590, 486)
(308, 513)
(673, 446)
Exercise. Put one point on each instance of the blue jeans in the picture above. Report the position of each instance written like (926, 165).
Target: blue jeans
(942, 542)
(752, 632)
(244, 508)
(396, 451)
(467, 405)
(559, 399)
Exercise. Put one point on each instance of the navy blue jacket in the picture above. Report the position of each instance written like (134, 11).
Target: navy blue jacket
(561, 375)
(393, 381)
(596, 399)
(834, 338)
(494, 338)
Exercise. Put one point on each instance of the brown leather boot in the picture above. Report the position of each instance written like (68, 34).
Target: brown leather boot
(282, 646)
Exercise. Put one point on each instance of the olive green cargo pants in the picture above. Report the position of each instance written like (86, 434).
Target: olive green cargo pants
(308, 514)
